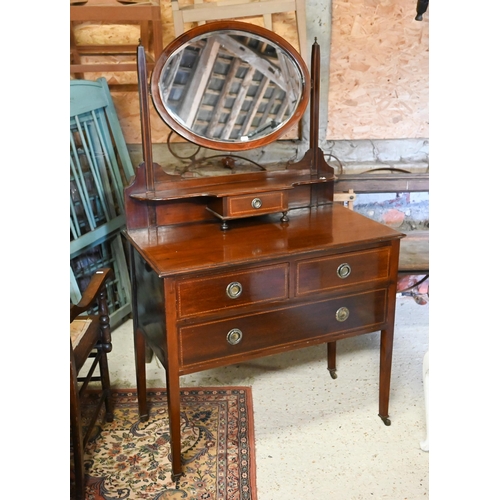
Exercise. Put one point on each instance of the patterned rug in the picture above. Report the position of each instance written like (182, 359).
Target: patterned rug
(130, 459)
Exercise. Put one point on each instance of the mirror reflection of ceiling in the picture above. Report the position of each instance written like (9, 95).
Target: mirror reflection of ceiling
(231, 86)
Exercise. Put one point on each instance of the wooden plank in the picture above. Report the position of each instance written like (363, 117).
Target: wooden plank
(220, 105)
(114, 13)
(198, 82)
(107, 49)
(382, 183)
(414, 252)
(238, 103)
(247, 124)
(105, 67)
(260, 63)
(207, 12)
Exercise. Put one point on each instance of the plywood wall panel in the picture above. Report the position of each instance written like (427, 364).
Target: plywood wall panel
(379, 60)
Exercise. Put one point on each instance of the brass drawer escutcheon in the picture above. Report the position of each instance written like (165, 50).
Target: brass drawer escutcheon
(343, 271)
(234, 336)
(256, 203)
(234, 290)
(342, 314)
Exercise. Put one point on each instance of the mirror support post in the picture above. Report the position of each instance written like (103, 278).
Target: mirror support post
(147, 148)
(314, 103)
(319, 166)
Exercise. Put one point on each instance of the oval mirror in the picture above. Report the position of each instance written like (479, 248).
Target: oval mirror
(230, 86)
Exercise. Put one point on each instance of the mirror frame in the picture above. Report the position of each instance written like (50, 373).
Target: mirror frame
(227, 26)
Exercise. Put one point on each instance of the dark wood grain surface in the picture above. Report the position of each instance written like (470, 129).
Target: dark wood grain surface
(180, 249)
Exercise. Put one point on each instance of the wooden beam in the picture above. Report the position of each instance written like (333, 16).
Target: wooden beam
(382, 183)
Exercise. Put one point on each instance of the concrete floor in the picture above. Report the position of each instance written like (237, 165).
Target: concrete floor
(319, 438)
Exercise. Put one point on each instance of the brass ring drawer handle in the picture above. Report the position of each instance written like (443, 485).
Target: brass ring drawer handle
(343, 270)
(256, 203)
(234, 336)
(234, 290)
(342, 314)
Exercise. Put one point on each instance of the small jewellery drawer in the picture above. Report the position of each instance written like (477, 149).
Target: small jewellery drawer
(235, 289)
(255, 204)
(233, 337)
(327, 273)
(250, 204)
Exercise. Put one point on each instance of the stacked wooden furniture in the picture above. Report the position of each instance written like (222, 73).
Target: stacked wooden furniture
(145, 14)
(231, 268)
(201, 11)
(99, 168)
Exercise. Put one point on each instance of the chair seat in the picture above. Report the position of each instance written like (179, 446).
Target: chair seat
(77, 330)
(84, 336)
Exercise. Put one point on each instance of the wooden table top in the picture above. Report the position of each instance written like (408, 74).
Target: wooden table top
(172, 250)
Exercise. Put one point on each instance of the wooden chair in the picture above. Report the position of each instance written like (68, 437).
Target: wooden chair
(146, 14)
(90, 342)
(200, 12)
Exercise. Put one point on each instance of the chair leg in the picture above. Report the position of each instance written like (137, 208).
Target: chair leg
(105, 347)
(106, 385)
(76, 434)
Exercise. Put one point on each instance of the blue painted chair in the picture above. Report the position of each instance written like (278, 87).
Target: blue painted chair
(100, 167)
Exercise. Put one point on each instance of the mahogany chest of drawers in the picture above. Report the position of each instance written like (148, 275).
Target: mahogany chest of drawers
(205, 297)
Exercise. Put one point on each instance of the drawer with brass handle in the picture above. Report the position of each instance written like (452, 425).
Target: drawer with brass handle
(240, 335)
(328, 273)
(247, 205)
(217, 292)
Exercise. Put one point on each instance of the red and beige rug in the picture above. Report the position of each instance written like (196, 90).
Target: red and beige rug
(130, 459)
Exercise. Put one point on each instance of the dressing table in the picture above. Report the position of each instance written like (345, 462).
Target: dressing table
(234, 267)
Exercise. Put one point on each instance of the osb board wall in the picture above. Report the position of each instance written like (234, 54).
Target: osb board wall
(379, 59)
(127, 103)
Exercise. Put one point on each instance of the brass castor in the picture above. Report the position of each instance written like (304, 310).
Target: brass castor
(176, 478)
(333, 373)
(386, 420)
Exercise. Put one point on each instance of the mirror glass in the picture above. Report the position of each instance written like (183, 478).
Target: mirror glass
(231, 88)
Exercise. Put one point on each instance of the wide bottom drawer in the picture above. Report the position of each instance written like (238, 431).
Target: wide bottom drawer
(242, 335)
